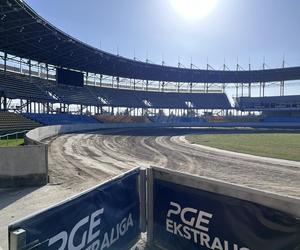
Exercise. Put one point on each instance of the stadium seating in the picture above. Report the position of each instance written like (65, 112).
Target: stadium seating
(60, 119)
(271, 103)
(227, 119)
(207, 101)
(282, 119)
(122, 119)
(11, 122)
(70, 94)
(159, 100)
(19, 86)
(36, 89)
(176, 119)
(162, 99)
(116, 97)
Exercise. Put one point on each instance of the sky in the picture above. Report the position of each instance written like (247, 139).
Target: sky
(234, 31)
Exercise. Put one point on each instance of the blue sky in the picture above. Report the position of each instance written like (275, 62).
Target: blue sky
(235, 28)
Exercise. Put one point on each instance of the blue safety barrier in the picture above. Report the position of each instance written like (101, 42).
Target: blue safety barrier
(105, 217)
(186, 216)
(184, 212)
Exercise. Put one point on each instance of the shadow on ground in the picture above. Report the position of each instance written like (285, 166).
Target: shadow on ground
(11, 195)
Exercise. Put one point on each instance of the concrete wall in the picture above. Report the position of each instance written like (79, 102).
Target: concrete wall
(37, 135)
(23, 166)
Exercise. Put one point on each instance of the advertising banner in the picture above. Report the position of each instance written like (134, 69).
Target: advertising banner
(105, 217)
(185, 217)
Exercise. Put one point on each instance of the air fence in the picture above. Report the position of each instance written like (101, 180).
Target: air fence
(183, 212)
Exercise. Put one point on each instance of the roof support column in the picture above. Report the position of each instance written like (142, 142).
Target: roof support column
(223, 88)
(260, 87)
(20, 65)
(249, 89)
(263, 85)
(47, 71)
(29, 65)
(242, 89)
(21, 106)
(282, 88)
(249, 85)
(5, 62)
(282, 82)
(4, 103)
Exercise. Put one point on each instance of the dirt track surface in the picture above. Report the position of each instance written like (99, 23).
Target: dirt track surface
(80, 161)
(88, 158)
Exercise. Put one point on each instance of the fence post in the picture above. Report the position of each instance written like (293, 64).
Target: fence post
(142, 192)
(149, 206)
(17, 239)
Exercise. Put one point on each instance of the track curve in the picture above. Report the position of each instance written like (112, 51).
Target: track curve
(82, 160)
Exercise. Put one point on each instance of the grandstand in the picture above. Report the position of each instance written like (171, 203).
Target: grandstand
(34, 52)
(11, 122)
(270, 103)
(40, 90)
(273, 108)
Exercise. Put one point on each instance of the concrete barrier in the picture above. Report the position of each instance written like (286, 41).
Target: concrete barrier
(23, 166)
(117, 203)
(36, 136)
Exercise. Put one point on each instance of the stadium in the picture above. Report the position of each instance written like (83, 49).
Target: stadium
(86, 116)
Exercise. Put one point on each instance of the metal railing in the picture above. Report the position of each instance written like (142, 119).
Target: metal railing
(12, 136)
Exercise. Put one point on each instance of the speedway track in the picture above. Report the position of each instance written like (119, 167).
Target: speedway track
(82, 160)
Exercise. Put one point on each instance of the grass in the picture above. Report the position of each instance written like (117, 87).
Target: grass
(277, 145)
(11, 142)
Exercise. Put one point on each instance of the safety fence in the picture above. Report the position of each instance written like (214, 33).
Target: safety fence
(108, 216)
(191, 212)
(16, 136)
(183, 212)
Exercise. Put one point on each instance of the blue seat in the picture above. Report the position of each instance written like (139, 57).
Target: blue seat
(61, 119)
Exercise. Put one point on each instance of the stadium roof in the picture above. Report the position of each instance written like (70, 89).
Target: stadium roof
(25, 34)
